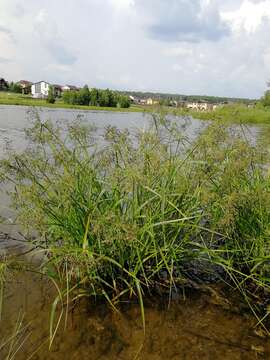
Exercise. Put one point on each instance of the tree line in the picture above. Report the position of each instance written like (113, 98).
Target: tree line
(166, 97)
(14, 87)
(96, 97)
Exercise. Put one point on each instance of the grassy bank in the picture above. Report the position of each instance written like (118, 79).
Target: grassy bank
(236, 114)
(7, 98)
(145, 212)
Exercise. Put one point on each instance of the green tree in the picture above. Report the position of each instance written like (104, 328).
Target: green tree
(66, 97)
(71, 97)
(84, 96)
(124, 101)
(266, 98)
(14, 87)
(94, 97)
(104, 99)
(51, 97)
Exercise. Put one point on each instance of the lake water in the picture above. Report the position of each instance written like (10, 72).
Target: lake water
(197, 325)
(14, 119)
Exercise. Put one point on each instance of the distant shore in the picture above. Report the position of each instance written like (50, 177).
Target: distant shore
(233, 113)
(7, 98)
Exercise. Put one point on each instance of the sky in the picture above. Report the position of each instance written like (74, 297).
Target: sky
(205, 47)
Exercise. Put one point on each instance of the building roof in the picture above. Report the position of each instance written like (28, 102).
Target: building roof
(24, 82)
(57, 86)
(72, 87)
(38, 82)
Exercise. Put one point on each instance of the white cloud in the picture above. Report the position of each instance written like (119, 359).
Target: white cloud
(224, 50)
(249, 16)
(177, 67)
(178, 51)
(122, 4)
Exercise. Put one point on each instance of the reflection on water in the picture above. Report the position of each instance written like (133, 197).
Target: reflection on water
(197, 326)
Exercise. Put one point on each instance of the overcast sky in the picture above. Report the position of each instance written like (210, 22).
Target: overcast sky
(214, 47)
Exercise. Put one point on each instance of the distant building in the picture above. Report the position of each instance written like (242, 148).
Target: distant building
(142, 101)
(149, 101)
(25, 86)
(199, 106)
(57, 90)
(40, 89)
(70, 88)
(3, 84)
(137, 101)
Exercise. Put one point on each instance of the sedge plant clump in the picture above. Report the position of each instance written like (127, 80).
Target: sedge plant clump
(136, 211)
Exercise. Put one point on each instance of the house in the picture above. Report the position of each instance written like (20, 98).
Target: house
(136, 100)
(57, 90)
(199, 106)
(151, 101)
(40, 89)
(142, 101)
(3, 84)
(25, 86)
(70, 88)
(192, 106)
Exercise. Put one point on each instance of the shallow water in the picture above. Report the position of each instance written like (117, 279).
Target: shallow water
(197, 326)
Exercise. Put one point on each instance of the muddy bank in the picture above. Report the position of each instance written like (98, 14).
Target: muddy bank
(196, 326)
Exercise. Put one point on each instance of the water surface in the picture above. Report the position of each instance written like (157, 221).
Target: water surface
(199, 325)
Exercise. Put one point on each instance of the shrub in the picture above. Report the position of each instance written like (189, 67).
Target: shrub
(51, 98)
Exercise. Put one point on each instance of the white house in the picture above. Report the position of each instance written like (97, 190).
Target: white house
(40, 89)
(199, 106)
(70, 88)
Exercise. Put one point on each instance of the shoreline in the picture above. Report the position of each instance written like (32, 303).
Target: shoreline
(43, 104)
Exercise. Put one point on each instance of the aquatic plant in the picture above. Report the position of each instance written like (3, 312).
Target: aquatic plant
(145, 211)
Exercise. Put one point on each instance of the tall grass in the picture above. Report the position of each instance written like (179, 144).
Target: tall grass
(3, 269)
(142, 211)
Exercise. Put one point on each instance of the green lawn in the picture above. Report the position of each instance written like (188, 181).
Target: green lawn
(7, 98)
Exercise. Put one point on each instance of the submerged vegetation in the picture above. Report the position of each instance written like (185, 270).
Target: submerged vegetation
(145, 212)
